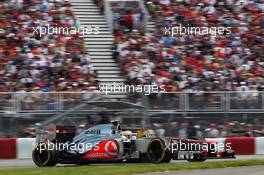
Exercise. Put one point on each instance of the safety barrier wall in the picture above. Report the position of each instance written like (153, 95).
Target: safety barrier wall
(243, 145)
(259, 145)
(24, 147)
(21, 148)
(8, 148)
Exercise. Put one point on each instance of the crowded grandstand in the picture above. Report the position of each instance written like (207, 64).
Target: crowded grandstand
(53, 62)
(192, 62)
(184, 63)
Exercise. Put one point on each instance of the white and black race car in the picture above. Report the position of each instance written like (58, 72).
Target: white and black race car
(111, 143)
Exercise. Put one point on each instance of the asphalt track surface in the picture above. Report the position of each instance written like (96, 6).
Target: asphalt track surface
(28, 163)
(253, 170)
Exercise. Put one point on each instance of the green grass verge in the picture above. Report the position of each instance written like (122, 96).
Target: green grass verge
(120, 169)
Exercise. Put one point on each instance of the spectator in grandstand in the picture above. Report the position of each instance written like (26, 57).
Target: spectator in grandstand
(128, 20)
(249, 130)
(236, 128)
(100, 4)
(116, 18)
(171, 129)
(28, 132)
(199, 132)
(191, 130)
(159, 130)
(222, 131)
(192, 62)
(259, 130)
(212, 131)
(183, 131)
(30, 62)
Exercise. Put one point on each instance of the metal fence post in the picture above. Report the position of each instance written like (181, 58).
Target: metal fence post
(181, 102)
(60, 101)
(228, 102)
(13, 104)
(186, 102)
(262, 92)
(17, 103)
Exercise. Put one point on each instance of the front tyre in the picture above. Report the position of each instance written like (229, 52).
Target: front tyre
(44, 157)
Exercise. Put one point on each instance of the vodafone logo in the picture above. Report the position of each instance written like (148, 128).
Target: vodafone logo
(111, 148)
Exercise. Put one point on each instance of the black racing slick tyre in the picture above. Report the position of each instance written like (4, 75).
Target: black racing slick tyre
(156, 151)
(44, 157)
(167, 157)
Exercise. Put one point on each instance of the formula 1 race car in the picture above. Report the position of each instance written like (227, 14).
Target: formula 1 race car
(110, 143)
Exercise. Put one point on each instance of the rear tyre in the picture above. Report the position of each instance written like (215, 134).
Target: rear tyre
(156, 151)
(44, 157)
(167, 157)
